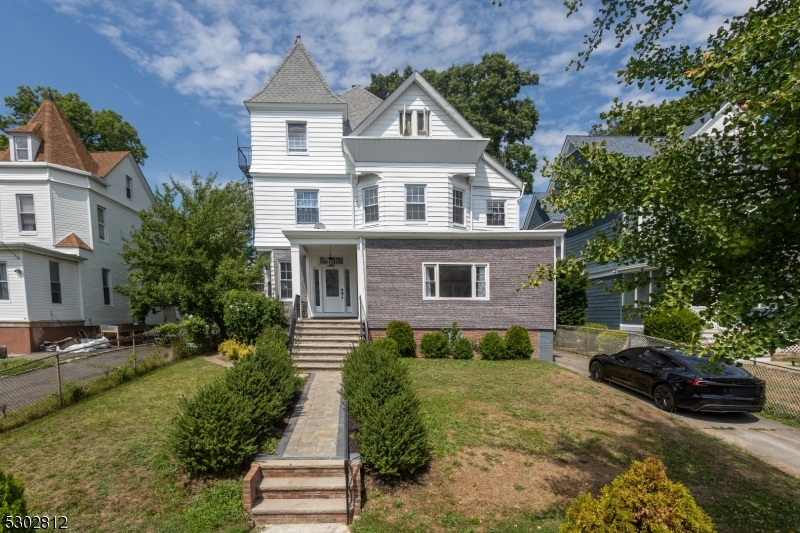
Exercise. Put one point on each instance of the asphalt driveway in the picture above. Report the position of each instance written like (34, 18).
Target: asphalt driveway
(775, 443)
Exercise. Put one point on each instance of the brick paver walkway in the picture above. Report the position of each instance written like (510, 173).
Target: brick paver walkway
(315, 420)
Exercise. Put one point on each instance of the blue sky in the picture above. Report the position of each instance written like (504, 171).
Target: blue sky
(179, 70)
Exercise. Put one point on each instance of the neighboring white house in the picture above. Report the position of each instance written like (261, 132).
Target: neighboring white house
(63, 213)
(389, 208)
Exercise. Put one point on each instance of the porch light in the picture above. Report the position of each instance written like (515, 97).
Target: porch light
(330, 259)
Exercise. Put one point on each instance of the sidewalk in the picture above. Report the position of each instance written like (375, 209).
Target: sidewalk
(771, 441)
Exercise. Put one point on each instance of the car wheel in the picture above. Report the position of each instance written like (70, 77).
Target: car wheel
(596, 371)
(664, 399)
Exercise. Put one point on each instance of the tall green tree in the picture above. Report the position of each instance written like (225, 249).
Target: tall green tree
(571, 298)
(193, 245)
(718, 214)
(486, 93)
(100, 131)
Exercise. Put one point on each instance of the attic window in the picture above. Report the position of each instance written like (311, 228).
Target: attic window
(415, 123)
(297, 138)
(21, 147)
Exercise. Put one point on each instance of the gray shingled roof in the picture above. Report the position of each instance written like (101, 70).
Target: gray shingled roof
(626, 145)
(360, 103)
(555, 216)
(297, 80)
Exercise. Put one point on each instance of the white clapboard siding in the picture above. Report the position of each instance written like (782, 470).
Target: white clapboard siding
(70, 212)
(481, 195)
(269, 148)
(387, 124)
(9, 215)
(15, 308)
(68, 178)
(36, 270)
(115, 189)
(274, 201)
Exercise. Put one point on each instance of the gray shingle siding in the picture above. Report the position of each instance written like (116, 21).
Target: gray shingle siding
(394, 283)
(604, 307)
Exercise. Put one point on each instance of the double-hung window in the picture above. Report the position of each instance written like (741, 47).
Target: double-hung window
(101, 223)
(55, 282)
(21, 147)
(296, 137)
(495, 213)
(415, 203)
(129, 187)
(106, 286)
(458, 207)
(455, 281)
(3, 282)
(640, 295)
(27, 215)
(371, 213)
(307, 207)
(286, 279)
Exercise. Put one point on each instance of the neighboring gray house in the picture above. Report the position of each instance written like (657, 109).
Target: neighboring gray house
(606, 307)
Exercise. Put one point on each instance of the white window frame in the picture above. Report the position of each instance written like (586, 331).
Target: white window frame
(296, 207)
(463, 222)
(102, 234)
(437, 282)
(129, 187)
(26, 145)
(59, 282)
(4, 293)
(424, 203)
(638, 294)
(376, 205)
(281, 279)
(409, 118)
(488, 202)
(289, 149)
(20, 213)
(105, 276)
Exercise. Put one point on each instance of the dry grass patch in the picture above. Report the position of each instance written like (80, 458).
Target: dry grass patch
(514, 442)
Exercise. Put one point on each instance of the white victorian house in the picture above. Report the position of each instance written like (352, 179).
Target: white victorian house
(389, 209)
(63, 213)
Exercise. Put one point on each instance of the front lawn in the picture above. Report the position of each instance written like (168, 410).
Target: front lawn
(102, 463)
(515, 441)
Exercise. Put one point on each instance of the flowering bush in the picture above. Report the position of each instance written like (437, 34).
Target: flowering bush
(235, 350)
(248, 313)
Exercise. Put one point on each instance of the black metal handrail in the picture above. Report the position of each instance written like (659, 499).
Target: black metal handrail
(293, 321)
(362, 316)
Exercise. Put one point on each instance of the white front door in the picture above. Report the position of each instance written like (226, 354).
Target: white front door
(333, 291)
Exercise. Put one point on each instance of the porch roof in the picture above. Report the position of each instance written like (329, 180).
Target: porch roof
(326, 235)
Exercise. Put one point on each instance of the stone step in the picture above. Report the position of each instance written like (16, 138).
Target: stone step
(317, 359)
(300, 510)
(328, 325)
(301, 467)
(318, 367)
(275, 488)
(323, 343)
(332, 334)
(330, 351)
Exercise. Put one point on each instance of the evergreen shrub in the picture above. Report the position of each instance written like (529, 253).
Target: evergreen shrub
(388, 344)
(676, 325)
(247, 313)
(364, 360)
(518, 343)
(274, 333)
(462, 349)
(393, 438)
(264, 404)
(401, 333)
(12, 501)
(434, 345)
(274, 360)
(641, 499)
(453, 333)
(492, 347)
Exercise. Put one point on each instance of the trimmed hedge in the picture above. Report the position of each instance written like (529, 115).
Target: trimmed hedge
(676, 325)
(518, 343)
(401, 333)
(641, 499)
(12, 501)
(434, 345)
(387, 343)
(462, 349)
(492, 347)
(274, 333)
(392, 437)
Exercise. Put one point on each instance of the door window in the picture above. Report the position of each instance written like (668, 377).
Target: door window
(331, 283)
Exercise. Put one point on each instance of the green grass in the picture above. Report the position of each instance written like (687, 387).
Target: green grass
(514, 442)
(102, 463)
(18, 365)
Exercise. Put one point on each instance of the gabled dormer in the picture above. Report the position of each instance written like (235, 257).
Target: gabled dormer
(23, 146)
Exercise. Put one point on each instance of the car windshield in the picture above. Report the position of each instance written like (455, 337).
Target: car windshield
(700, 365)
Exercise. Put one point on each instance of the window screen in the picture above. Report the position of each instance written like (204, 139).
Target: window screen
(296, 137)
(307, 203)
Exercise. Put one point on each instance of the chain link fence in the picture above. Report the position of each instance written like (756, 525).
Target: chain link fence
(592, 341)
(53, 380)
(783, 381)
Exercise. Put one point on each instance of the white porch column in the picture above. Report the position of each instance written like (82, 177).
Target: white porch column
(362, 273)
(296, 277)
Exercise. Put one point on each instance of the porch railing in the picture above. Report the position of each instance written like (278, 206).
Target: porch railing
(362, 317)
(293, 321)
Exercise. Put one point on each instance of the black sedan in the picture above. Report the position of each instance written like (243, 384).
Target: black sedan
(679, 380)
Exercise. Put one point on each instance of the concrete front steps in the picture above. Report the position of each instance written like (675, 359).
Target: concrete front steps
(322, 344)
(295, 491)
